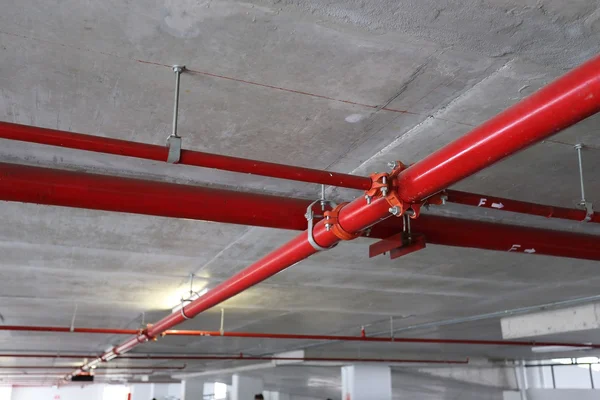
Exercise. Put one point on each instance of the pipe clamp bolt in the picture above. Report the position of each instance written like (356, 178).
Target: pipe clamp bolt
(394, 210)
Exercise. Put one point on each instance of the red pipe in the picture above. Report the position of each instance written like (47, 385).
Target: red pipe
(80, 141)
(81, 190)
(499, 237)
(285, 336)
(565, 102)
(20, 367)
(252, 358)
(126, 148)
(522, 207)
(100, 192)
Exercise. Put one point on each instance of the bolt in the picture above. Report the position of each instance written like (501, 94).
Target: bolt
(327, 227)
(368, 198)
(178, 68)
(394, 210)
(384, 191)
(392, 164)
(444, 199)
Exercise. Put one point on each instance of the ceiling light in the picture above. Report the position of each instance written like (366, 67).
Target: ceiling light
(557, 349)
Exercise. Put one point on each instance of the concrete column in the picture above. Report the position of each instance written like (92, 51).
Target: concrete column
(142, 391)
(244, 387)
(366, 382)
(166, 390)
(192, 390)
(276, 396)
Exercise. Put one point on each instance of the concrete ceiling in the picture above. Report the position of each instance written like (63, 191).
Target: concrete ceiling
(294, 81)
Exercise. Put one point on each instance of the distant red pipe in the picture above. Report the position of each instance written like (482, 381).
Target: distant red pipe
(126, 148)
(21, 367)
(100, 192)
(252, 358)
(564, 102)
(256, 335)
(522, 207)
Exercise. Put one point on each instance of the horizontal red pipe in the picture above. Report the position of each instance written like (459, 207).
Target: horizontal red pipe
(101, 192)
(108, 193)
(500, 237)
(522, 207)
(284, 336)
(252, 358)
(153, 152)
(21, 367)
(565, 102)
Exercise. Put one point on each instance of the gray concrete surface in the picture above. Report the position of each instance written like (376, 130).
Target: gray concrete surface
(301, 82)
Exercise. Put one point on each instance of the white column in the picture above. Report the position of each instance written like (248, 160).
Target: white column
(165, 390)
(192, 390)
(142, 391)
(276, 396)
(245, 387)
(366, 382)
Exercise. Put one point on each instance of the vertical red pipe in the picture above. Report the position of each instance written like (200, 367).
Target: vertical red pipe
(568, 100)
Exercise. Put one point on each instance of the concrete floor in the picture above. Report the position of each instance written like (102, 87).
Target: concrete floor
(103, 68)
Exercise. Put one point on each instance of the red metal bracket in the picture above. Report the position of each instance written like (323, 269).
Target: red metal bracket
(386, 185)
(332, 223)
(398, 245)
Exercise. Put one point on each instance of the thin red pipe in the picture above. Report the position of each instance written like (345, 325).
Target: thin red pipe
(153, 152)
(283, 336)
(252, 358)
(99, 192)
(20, 367)
(522, 207)
(565, 102)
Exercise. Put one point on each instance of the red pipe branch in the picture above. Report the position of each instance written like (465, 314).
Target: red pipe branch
(284, 336)
(565, 102)
(521, 207)
(126, 148)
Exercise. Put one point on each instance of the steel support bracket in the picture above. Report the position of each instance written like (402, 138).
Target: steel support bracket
(589, 211)
(174, 140)
(398, 245)
(174, 146)
(310, 217)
